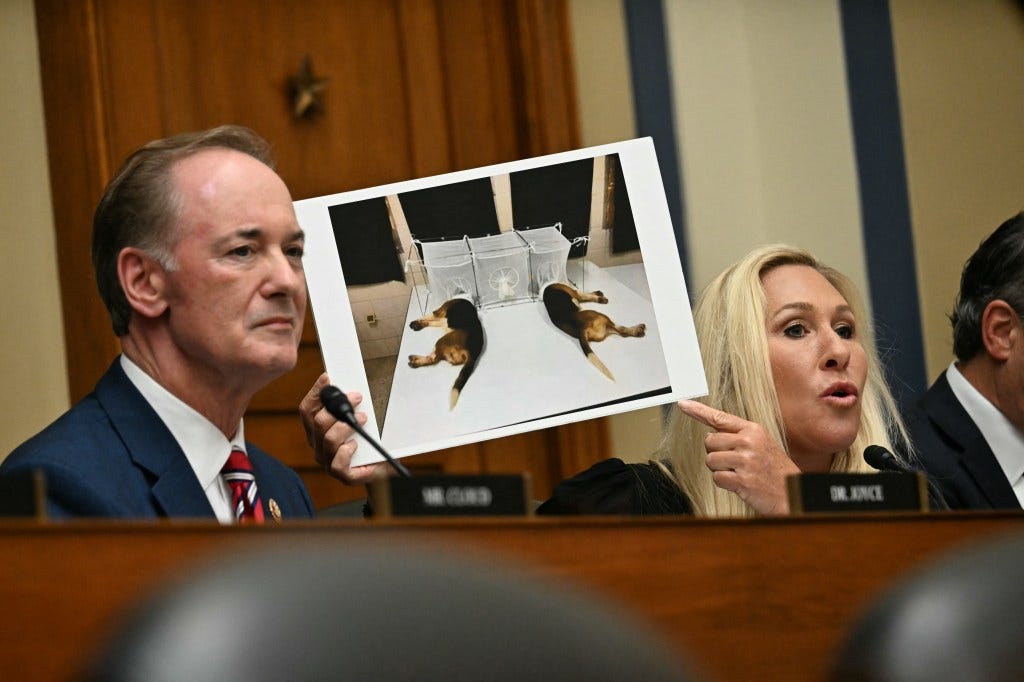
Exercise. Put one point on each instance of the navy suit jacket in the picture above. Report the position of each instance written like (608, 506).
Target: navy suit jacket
(111, 455)
(954, 453)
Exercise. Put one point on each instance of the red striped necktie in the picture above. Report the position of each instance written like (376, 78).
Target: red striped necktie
(245, 499)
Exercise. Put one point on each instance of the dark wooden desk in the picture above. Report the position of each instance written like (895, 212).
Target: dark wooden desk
(763, 599)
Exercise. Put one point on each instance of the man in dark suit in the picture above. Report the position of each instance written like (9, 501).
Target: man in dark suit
(968, 429)
(198, 258)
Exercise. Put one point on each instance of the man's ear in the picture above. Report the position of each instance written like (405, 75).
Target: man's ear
(1000, 329)
(144, 282)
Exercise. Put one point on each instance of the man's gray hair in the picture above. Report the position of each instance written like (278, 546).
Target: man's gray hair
(141, 204)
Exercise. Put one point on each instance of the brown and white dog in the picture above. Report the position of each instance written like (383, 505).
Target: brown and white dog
(562, 303)
(462, 345)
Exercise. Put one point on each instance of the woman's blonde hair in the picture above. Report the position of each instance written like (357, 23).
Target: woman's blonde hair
(730, 317)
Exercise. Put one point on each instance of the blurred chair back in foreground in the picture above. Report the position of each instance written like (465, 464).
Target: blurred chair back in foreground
(366, 612)
(960, 618)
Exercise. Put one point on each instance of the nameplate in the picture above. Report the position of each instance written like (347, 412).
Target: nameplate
(23, 494)
(453, 495)
(816, 493)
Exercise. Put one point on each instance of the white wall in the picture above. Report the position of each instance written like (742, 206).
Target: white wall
(32, 362)
(603, 83)
(764, 131)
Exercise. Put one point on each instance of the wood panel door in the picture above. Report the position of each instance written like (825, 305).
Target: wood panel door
(413, 88)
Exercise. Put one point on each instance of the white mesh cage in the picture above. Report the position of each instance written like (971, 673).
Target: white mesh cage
(502, 265)
(549, 252)
(449, 268)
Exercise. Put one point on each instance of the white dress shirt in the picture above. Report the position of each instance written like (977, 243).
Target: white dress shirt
(205, 447)
(1005, 439)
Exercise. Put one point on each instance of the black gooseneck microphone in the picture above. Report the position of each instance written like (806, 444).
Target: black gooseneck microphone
(883, 460)
(337, 403)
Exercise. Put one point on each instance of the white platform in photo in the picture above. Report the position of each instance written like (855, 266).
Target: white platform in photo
(529, 369)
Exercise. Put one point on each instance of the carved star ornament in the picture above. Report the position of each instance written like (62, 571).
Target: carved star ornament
(306, 91)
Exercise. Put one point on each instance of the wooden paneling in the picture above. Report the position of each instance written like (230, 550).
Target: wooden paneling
(414, 88)
(548, 85)
(76, 131)
(481, 101)
(426, 108)
(131, 89)
(230, 61)
(743, 600)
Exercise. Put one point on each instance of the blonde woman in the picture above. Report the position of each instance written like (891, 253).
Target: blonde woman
(794, 385)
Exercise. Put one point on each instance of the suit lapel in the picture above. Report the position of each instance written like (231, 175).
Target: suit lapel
(950, 417)
(265, 485)
(176, 490)
(270, 487)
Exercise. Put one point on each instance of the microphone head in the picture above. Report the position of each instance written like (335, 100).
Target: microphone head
(337, 403)
(881, 459)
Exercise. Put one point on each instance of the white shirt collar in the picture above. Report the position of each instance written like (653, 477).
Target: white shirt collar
(1006, 441)
(205, 447)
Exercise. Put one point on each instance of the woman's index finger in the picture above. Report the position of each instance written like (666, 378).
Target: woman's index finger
(709, 416)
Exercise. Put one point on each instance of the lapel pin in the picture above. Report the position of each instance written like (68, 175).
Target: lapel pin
(275, 510)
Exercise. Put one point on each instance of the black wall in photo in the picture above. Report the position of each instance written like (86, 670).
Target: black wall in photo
(366, 247)
(551, 194)
(451, 211)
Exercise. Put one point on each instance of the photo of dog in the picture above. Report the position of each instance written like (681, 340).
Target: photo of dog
(562, 303)
(585, 231)
(462, 345)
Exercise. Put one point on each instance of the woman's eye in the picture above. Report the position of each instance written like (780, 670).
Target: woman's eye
(845, 331)
(795, 331)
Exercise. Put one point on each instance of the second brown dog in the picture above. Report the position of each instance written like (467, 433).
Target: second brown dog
(562, 303)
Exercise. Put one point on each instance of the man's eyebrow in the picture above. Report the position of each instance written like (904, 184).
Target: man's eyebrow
(251, 233)
(257, 233)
